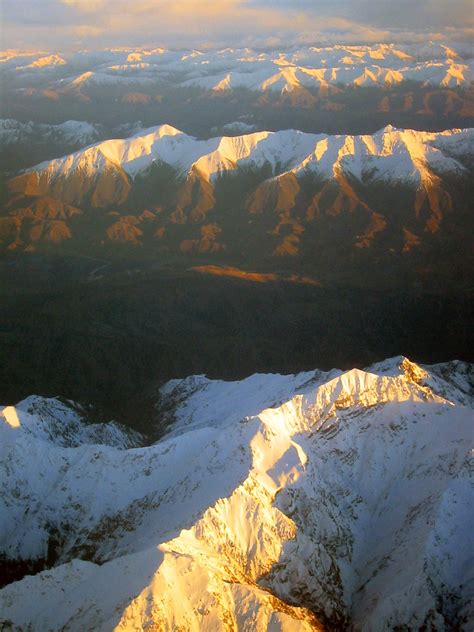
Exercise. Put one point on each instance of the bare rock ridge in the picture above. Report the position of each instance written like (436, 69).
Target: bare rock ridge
(339, 500)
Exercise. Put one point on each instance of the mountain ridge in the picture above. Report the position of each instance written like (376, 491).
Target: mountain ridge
(181, 150)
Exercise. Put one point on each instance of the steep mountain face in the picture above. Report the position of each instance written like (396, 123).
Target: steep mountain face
(310, 201)
(305, 502)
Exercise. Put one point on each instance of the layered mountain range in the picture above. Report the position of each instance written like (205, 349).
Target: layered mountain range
(308, 201)
(332, 89)
(339, 500)
(288, 213)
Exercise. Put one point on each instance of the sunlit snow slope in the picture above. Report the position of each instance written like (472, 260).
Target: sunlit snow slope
(316, 501)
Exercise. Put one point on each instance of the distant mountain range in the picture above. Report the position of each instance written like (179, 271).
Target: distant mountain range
(332, 89)
(339, 500)
(323, 68)
(313, 202)
(77, 133)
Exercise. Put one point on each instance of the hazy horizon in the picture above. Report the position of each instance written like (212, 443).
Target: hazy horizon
(75, 24)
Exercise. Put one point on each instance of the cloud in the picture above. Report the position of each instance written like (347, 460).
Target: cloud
(187, 23)
(388, 14)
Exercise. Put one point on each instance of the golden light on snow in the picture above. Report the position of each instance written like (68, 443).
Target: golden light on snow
(10, 416)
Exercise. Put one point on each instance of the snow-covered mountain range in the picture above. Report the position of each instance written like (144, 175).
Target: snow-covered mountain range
(323, 68)
(340, 500)
(390, 154)
(311, 199)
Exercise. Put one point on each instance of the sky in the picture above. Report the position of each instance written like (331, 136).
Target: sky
(72, 24)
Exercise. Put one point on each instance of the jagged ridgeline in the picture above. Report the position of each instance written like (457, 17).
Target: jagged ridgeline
(329, 206)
